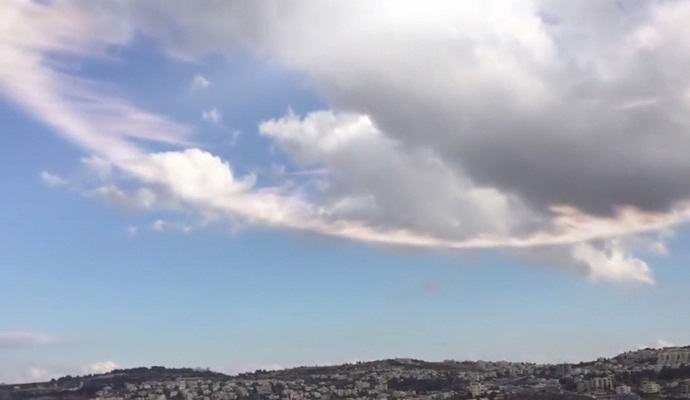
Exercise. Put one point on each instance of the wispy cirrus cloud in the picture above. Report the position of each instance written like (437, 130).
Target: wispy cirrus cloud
(83, 111)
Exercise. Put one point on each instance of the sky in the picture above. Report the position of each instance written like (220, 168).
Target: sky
(266, 184)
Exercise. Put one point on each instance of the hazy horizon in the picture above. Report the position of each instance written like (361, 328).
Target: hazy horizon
(106, 368)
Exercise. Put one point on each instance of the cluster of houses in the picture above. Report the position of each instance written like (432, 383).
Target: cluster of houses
(643, 374)
(648, 373)
(629, 376)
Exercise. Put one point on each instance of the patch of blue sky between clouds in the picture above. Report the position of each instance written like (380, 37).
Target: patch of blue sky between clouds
(245, 91)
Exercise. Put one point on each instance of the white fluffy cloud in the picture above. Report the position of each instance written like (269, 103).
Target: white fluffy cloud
(612, 263)
(452, 124)
(101, 367)
(375, 179)
(661, 343)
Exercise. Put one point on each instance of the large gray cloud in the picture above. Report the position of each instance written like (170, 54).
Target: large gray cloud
(545, 103)
(543, 115)
(582, 104)
(457, 124)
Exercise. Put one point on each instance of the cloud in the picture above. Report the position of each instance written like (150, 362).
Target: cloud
(53, 180)
(657, 344)
(83, 111)
(612, 264)
(140, 199)
(21, 340)
(661, 343)
(251, 367)
(199, 82)
(212, 115)
(101, 367)
(37, 374)
(514, 69)
(16, 374)
(161, 225)
(101, 167)
(23, 372)
(522, 106)
(433, 198)
(519, 124)
(371, 177)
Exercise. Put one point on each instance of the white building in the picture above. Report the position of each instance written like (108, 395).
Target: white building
(673, 357)
(650, 388)
(604, 383)
(623, 389)
(475, 389)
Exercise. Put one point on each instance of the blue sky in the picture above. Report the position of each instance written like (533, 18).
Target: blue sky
(220, 197)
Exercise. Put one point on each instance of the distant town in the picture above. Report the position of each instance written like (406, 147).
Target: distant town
(641, 374)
